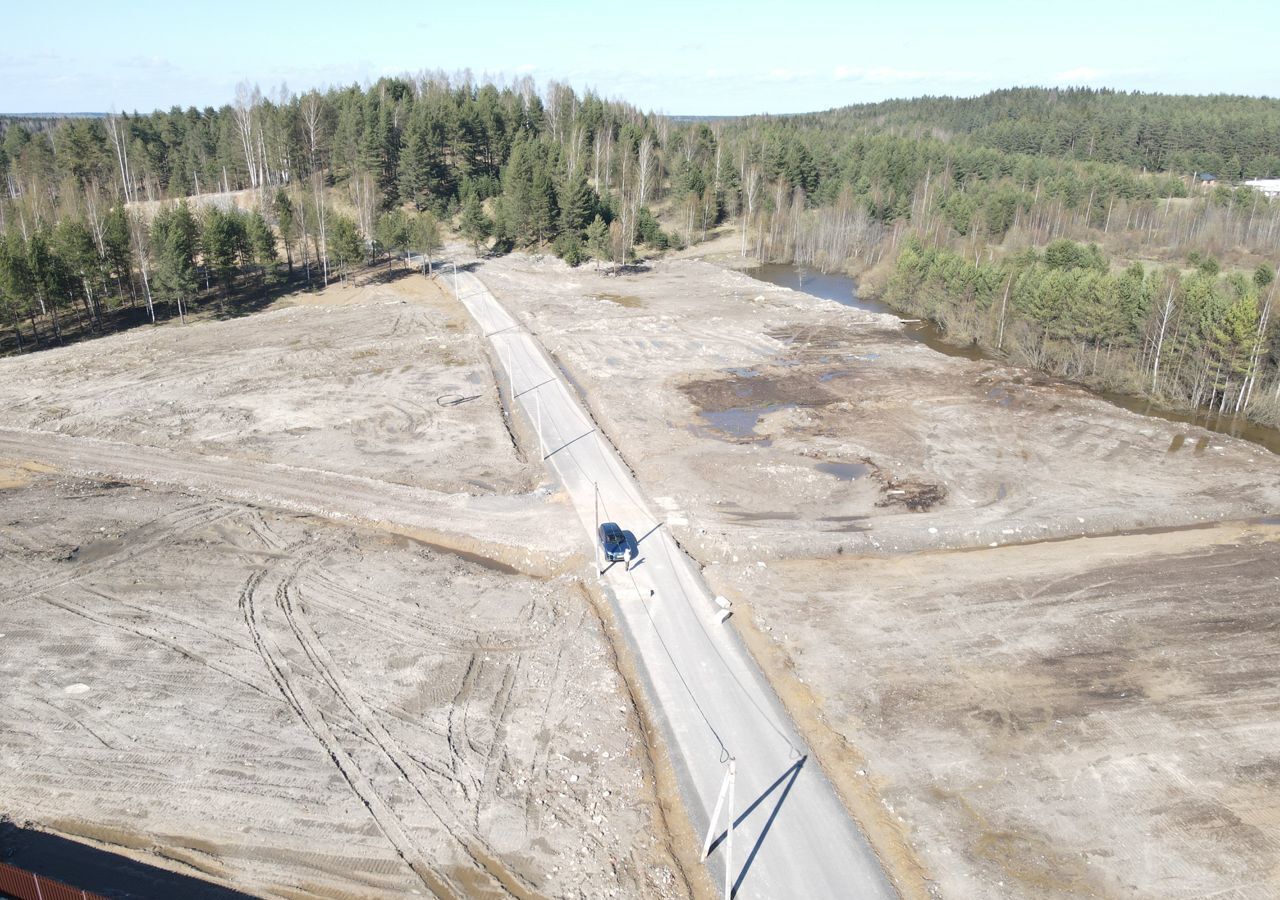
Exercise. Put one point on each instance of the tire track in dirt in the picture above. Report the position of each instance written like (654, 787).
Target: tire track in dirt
(141, 540)
(457, 727)
(281, 673)
(487, 876)
(151, 634)
(506, 881)
(434, 636)
(514, 530)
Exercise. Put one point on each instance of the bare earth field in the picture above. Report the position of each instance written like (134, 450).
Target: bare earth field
(1054, 720)
(283, 602)
(1034, 632)
(236, 641)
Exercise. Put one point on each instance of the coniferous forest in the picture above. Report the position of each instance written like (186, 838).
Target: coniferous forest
(1070, 230)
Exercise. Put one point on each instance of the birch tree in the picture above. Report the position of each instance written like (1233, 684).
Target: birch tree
(120, 142)
(1163, 317)
(311, 112)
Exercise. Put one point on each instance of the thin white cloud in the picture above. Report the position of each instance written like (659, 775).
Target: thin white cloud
(877, 74)
(1091, 75)
(891, 75)
(1080, 73)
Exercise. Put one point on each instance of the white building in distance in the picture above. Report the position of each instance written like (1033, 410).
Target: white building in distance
(1270, 187)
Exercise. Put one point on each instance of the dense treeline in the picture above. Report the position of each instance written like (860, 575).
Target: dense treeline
(329, 179)
(1198, 338)
(1232, 137)
(854, 187)
(976, 193)
(91, 216)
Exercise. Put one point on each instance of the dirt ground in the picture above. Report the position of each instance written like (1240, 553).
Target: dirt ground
(233, 642)
(384, 381)
(780, 425)
(1055, 720)
(1009, 606)
(284, 602)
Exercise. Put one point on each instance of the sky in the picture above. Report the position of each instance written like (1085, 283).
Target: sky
(690, 58)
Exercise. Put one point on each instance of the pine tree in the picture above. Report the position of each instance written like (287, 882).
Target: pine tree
(346, 247)
(261, 241)
(287, 221)
(225, 242)
(598, 244)
(474, 225)
(425, 236)
(175, 242)
(415, 184)
(577, 206)
(392, 232)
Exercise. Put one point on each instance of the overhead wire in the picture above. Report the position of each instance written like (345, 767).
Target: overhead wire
(549, 376)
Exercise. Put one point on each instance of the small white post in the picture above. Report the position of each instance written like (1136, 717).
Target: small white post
(457, 295)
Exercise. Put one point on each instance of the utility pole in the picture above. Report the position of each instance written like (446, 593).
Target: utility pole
(726, 786)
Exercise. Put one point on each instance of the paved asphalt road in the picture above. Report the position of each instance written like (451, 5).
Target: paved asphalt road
(793, 837)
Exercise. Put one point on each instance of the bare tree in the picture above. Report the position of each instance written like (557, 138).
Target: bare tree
(247, 100)
(310, 107)
(750, 190)
(646, 169)
(120, 141)
(1164, 315)
(576, 149)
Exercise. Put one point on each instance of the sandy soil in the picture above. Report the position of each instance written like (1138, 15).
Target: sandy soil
(1054, 720)
(229, 642)
(918, 544)
(232, 639)
(781, 425)
(362, 380)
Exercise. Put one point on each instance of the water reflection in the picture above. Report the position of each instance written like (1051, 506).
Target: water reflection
(844, 290)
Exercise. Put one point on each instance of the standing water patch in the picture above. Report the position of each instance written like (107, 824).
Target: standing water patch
(843, 470)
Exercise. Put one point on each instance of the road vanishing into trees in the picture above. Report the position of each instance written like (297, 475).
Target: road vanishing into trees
(792, 835)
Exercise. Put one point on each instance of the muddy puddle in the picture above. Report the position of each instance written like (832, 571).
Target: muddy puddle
(844, 290)
(731, 406)
(1235, 426)
(737, 424)
(845, 471)
(765, 516)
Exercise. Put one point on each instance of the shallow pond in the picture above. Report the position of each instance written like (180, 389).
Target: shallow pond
(844, 290)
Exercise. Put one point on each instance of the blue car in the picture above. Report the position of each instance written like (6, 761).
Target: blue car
(613, 542)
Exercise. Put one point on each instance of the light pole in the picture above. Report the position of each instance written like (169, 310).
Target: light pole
(726, 787)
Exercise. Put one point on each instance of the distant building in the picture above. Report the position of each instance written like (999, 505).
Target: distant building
(1269, 187)
(1204, 179)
